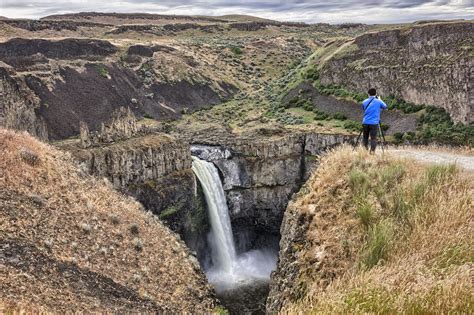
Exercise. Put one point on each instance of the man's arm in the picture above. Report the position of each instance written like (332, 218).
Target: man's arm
(382, 104)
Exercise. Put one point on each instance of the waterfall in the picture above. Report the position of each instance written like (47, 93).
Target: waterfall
(228, 269)
(222, 244)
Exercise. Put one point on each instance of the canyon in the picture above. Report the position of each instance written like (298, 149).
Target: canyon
(167, 111)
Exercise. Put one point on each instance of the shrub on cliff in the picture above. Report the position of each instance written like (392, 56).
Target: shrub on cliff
(384, 235)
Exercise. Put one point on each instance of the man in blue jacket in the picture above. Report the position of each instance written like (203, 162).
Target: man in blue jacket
(372, 108)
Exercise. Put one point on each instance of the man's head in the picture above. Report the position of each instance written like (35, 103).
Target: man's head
(372, 92)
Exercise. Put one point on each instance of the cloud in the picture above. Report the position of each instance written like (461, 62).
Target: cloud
(311, 11)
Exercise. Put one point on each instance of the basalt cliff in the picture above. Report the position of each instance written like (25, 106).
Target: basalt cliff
(428, 64)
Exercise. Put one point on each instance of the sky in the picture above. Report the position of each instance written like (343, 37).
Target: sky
(310, 11)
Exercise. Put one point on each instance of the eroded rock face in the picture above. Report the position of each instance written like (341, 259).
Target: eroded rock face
(428, 64)
(64, 82)
(39, 25)
(18, 106)
(293, 235)
(260, 175)
(122, 126)
(136, 160)
(62, 49)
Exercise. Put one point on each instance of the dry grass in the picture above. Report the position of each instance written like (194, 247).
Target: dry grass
(71, 225)
(387, 236)
(465, 150)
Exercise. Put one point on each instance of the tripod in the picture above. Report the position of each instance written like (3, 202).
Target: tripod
(382, 136)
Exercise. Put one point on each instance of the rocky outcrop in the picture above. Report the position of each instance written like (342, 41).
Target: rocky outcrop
(136, 160)
(429, 64)
(135, 17)
(69, 48)
(255, 26)
(284, 286)
(122, 125)
(260, 175)
(40, 25)
(18, 106)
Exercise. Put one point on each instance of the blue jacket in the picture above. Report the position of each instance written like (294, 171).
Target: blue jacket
(372, 111)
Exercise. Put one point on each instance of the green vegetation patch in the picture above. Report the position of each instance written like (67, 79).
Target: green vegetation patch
(236, 50)
(401, 205)
(168, 212)
(102, 70)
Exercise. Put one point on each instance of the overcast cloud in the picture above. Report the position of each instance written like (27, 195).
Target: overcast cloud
(364, 11)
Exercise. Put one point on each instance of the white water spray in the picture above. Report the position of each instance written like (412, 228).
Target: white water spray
(228, 270)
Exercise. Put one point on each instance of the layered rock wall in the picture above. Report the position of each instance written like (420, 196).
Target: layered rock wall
(17, 106)
(429, 64)
(260, 175)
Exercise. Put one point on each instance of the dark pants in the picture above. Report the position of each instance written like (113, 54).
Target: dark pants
(372, 131)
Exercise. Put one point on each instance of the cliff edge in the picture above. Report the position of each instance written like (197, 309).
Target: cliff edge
(376, 235)
(70, 243)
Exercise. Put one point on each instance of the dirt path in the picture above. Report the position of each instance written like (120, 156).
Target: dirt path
(465, 162)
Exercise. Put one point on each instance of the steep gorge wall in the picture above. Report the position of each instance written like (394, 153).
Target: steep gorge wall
(156, 169)
(260, 175)
(18, 106)
(429, 64)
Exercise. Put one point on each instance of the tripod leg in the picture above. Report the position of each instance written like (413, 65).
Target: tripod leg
(357, 141)
(382, 138)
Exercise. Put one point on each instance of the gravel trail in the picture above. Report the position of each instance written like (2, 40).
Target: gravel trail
(465, 162)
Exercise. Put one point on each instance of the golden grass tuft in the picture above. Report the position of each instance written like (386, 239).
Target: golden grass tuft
(387, 236)
(80, 223)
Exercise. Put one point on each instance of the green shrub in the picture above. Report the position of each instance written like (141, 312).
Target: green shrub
(168, 212)
(377, 247)
(148, 116)
(320, 115)
(339, 116)
(308, 106)
(398, 137)
(236, 50)
(352, 125)
(312, 74)
(359, 183)
(384, 127)
(365, 212)
(219, 310)
(102, 70)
